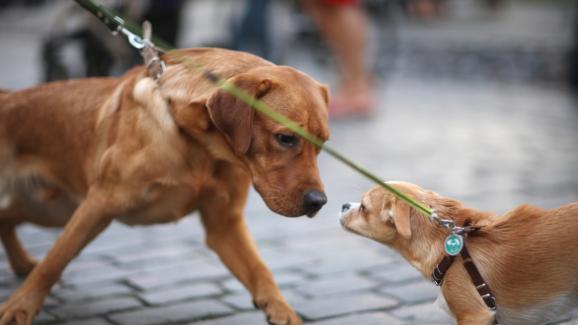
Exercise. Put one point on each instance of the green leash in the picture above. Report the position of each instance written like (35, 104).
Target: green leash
(134, 35)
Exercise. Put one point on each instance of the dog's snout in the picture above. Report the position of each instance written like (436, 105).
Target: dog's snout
(313, 201)
(346, 207)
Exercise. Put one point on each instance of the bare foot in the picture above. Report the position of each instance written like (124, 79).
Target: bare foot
(351, 104)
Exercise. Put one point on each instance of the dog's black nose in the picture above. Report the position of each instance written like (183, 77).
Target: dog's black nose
(345, 207)
(313, 201)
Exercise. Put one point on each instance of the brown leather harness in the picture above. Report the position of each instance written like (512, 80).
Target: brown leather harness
(480, 284)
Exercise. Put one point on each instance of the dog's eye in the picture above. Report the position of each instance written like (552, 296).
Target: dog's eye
(362, 208)
(287, 140)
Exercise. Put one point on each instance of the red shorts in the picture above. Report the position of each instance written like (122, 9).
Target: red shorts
(340, 2)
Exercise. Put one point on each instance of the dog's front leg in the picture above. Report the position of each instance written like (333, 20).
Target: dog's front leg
(479, 319)
(464, 302)
(229, 237)
(90, 218)
(20, 261)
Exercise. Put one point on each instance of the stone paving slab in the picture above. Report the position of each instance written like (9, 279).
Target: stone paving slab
(413, 293)
(426, 313)
(341, 305)
(90, 321)
(244, 302)
(326, 286)
(365, 319)
(43, 317)
(170, 276)
(283, 279)
(95, 308)
(92, 292)
(253, 318)
(399, 272)
(182, 292)
(172, 313)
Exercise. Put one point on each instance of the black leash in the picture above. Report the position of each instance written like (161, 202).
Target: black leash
(117, 24)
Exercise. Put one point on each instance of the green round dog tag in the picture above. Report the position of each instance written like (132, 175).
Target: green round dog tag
(454, 244)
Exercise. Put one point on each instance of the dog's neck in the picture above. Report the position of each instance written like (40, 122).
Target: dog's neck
(194, 121)
(424, 250)
(187, 94)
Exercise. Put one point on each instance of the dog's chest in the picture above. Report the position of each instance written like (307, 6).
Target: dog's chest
(165, 200)
(161, 204)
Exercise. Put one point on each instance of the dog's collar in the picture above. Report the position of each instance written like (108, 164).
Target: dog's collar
(480, 284)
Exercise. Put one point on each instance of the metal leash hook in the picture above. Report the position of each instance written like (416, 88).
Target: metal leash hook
(133, 39)
(150, 53)
(454, 242)
(445, 223)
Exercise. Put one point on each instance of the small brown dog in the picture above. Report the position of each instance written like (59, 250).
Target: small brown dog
(82, 153)
(529, 256)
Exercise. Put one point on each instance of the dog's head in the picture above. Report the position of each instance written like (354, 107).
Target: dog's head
(283, 166)
(384, 218)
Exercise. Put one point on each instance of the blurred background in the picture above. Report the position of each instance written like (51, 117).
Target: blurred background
(474, 99)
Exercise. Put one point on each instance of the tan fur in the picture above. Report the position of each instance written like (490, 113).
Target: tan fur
(528, 256)
(82, 153)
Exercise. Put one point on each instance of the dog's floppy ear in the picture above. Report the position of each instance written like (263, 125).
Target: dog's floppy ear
(233, 117)
(399, 214)
(325, 93)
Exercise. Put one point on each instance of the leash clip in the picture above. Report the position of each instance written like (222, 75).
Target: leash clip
(133, 39)
(446, 223)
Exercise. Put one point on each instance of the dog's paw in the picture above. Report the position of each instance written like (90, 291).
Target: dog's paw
(278, 312)
(20, 309)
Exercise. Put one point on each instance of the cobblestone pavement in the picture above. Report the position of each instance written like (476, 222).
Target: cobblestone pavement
(493, 146)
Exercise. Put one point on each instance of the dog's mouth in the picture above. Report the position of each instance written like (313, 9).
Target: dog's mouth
(290, 205)
(342, 217)
(342, 222)
(346, 209)
(346, 227)
(293, 214)
(311, 215)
